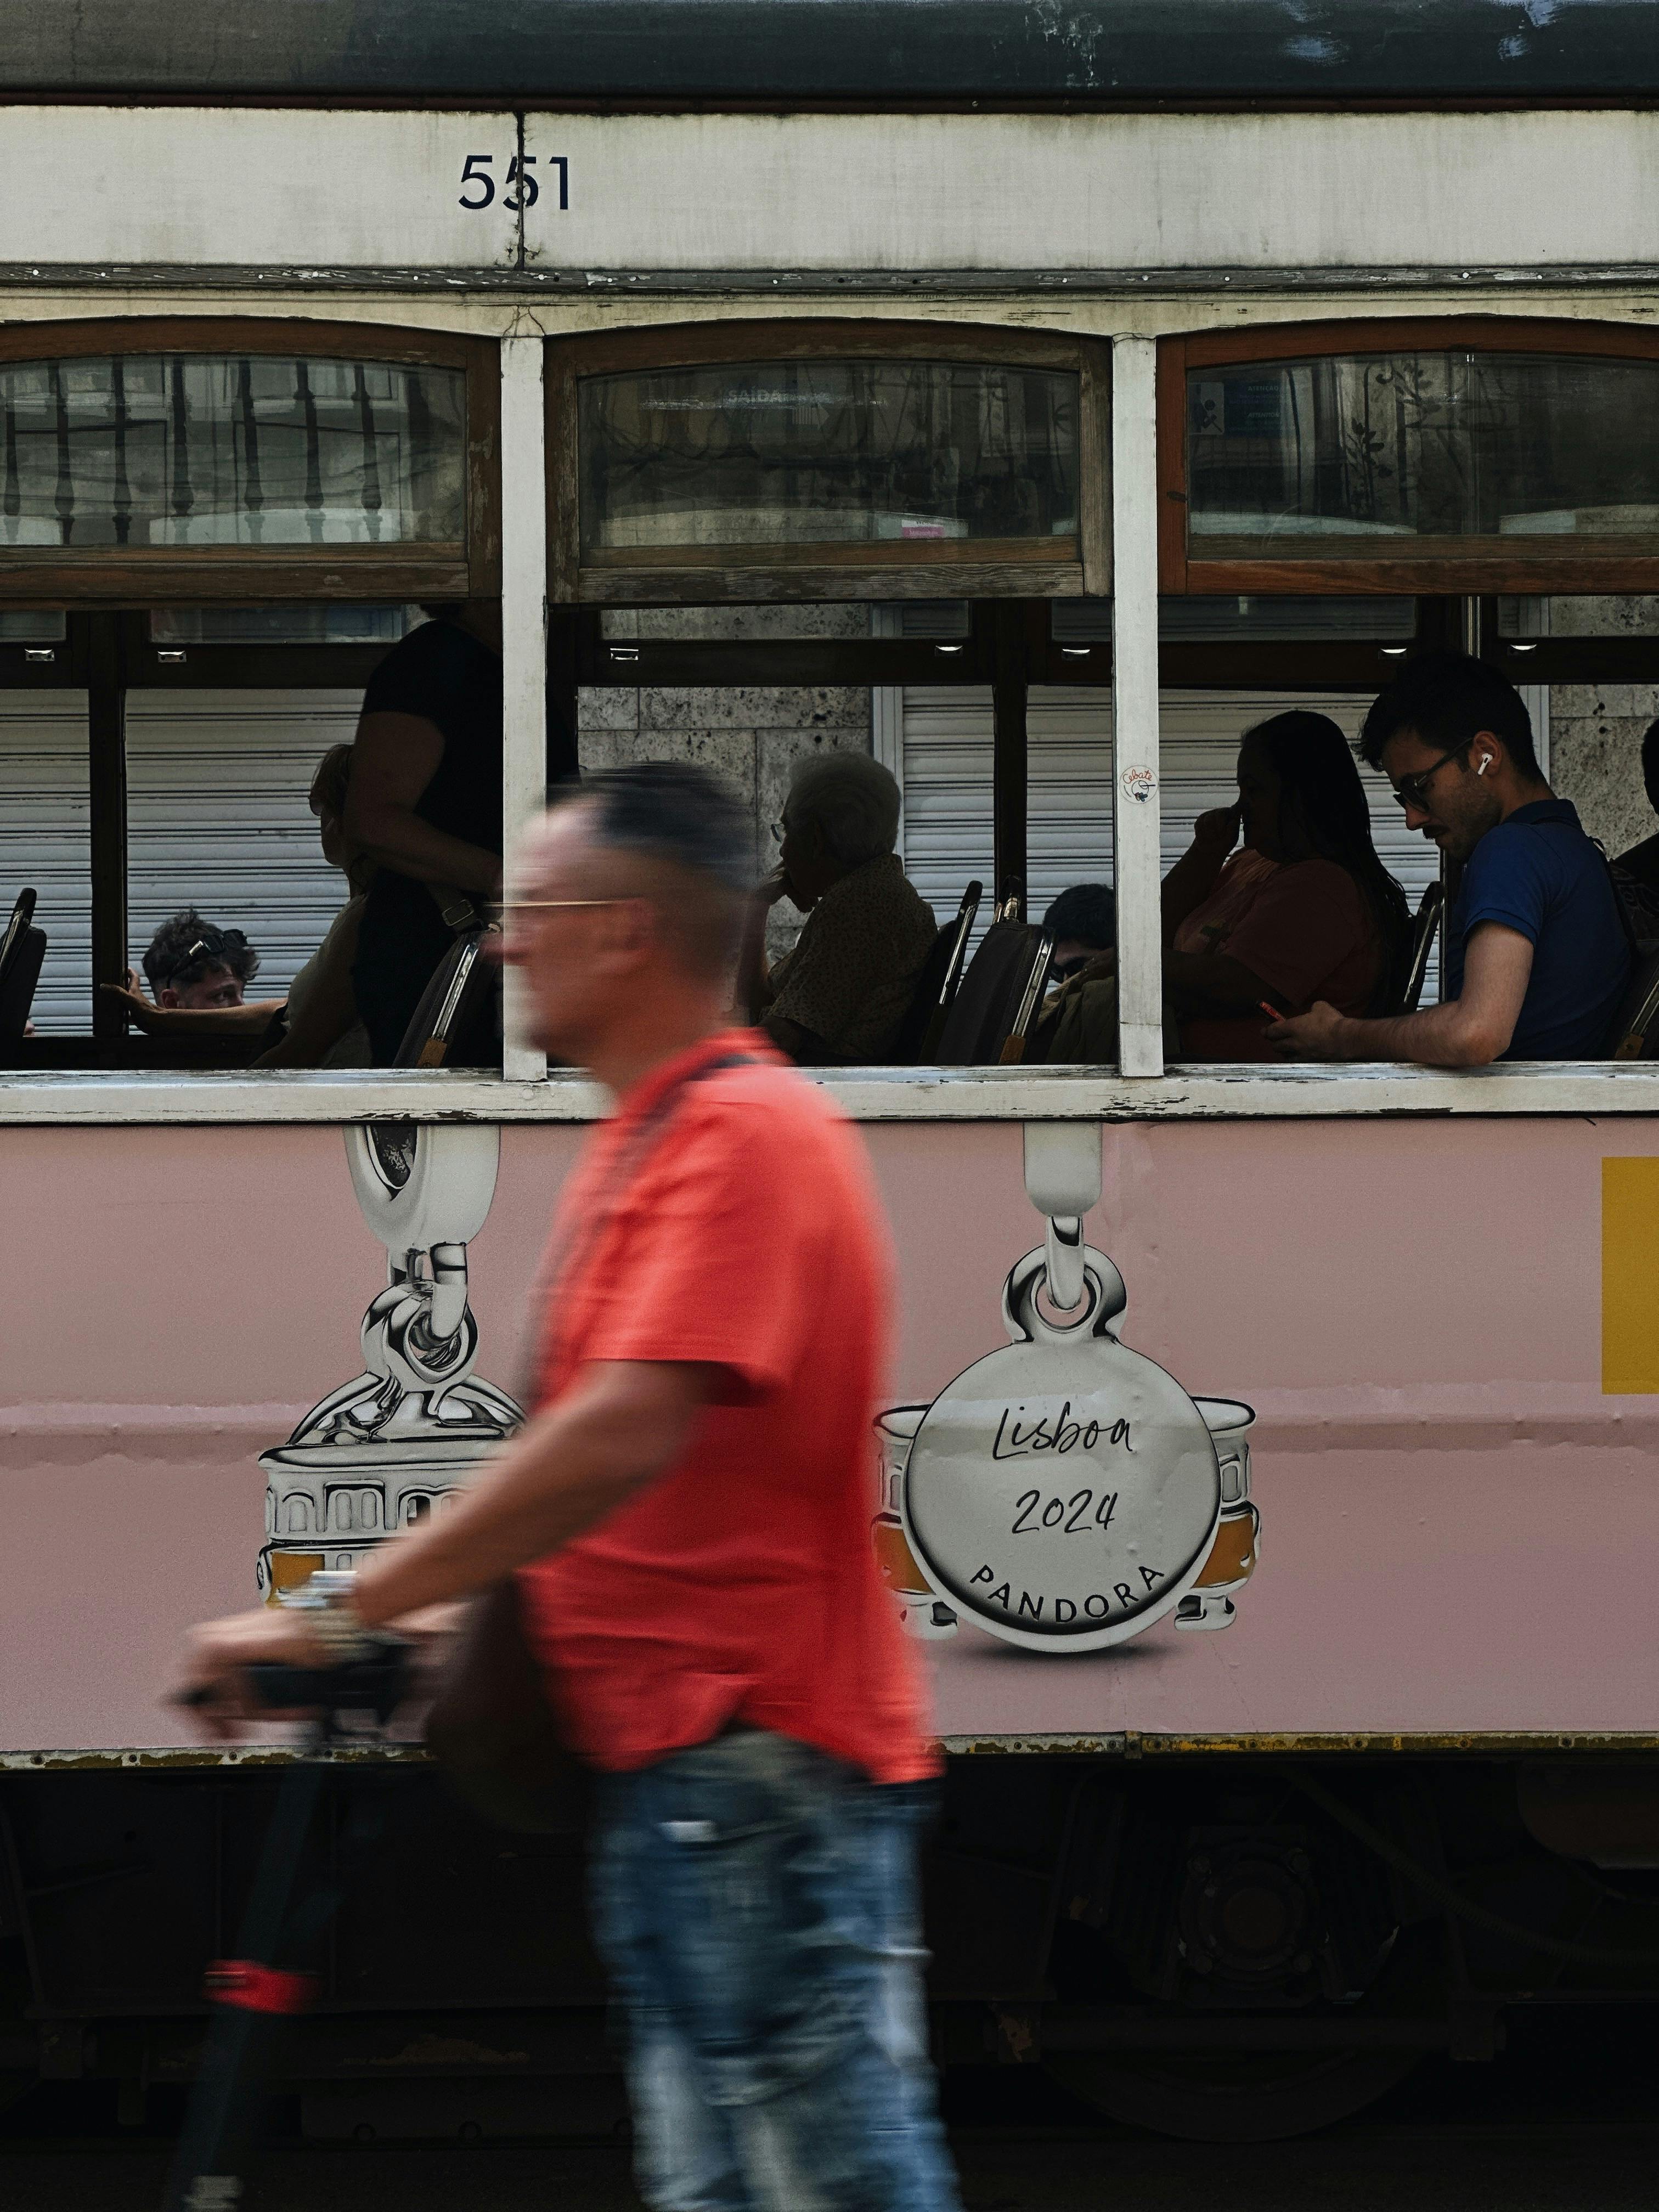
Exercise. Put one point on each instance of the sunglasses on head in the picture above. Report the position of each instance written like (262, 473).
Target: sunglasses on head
(217, 948)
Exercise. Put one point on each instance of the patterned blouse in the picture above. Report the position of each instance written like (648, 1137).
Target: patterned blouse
(850, 977)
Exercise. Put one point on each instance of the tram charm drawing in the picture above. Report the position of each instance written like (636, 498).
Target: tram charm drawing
(388, 1448)
(1065, 1492)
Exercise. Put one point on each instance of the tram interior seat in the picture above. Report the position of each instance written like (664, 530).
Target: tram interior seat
(1429, 912)
(1000, 993)
(937, 985)
(23, 949)
(450, 1017)
(1636, 1026)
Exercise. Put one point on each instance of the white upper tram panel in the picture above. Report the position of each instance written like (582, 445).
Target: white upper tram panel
(936, 200)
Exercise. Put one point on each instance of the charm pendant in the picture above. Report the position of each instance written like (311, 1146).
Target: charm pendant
(1065, 1492)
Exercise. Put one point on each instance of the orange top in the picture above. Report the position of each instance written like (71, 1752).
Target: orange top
(745, 1233)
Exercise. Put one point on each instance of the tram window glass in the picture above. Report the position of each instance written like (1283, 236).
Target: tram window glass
(225, 451)
(1362, 456)
(682, 462)
(297, 624)
(27, 626)
(1218, 621)
(794, 620)
(1587, 614)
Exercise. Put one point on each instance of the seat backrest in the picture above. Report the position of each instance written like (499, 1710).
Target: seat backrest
(20, 974)
(938, 983)
(1030, 997)
(982, 1015)
(449, 1004)
(1635, 1034)
(22, 913)
(1423, 932)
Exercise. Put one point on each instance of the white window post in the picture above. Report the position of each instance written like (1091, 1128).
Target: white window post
(523, 634)
(1135, 802)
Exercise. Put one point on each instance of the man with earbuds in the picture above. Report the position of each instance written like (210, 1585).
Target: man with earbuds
(1537, 955)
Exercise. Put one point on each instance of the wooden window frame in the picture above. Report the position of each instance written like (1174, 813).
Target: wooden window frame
(1496, 568)
(243, 576)
(926, 568)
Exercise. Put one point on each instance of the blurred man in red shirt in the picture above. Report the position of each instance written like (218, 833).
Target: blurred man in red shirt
(687, 1509)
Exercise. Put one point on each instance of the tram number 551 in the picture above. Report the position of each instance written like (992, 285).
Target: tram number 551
(519, 188)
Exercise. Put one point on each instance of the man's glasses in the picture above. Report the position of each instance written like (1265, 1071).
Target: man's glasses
(1414, 790)
(504, 910)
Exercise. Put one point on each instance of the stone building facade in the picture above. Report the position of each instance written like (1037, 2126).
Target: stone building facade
(1597, 729)
(752, 733)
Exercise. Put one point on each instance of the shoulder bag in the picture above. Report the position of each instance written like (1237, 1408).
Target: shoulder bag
(492, 1727)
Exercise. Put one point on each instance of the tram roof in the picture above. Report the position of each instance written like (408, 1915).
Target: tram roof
(891, 53)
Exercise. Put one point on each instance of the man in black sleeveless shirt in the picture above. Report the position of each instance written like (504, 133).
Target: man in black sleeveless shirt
(425, 805)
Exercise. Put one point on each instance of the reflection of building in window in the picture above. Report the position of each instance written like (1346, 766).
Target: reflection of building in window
(837, 451)
(211, 451)
(1436, 444)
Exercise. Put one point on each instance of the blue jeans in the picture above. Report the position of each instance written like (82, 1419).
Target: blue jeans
(756, 1904)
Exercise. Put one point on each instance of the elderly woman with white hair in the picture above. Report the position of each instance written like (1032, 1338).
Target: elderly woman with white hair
(841, 995)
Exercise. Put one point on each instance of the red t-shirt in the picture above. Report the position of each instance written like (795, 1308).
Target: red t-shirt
(741, 1584)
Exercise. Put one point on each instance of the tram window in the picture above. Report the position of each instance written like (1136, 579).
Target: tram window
(297, 624)
(1454, 455)
(682, 463)
(26, 626)
(1354, 454)
(1256, 617)
(794, 619)
(1587, 614)
(225, 451)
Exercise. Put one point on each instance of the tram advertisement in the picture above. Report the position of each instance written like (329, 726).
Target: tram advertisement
(1244, 1448)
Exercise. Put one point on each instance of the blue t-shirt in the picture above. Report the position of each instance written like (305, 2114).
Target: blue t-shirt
(1538, 872)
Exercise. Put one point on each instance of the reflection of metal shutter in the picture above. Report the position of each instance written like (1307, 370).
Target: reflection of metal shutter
(217, 818)
(44, 841)
(946, 775)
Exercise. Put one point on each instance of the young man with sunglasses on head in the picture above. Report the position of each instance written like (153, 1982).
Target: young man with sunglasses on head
(1537, 957)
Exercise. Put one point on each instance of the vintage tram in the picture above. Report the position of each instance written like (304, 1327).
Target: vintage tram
(1034, 401)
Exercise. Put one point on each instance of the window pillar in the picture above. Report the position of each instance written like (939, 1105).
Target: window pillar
(1135, 801)
(524, 635)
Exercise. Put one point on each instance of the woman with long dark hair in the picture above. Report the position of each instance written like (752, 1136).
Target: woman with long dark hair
(1305, 909)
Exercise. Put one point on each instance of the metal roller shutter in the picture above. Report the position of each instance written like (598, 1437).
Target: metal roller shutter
(216, 813)
(45, 841)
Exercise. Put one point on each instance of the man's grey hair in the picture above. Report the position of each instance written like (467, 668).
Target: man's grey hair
(677, 812)
(673, 811)
(853, 800)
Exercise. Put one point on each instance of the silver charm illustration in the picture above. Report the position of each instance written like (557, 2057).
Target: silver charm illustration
(388, 1448)
(1065, 1492)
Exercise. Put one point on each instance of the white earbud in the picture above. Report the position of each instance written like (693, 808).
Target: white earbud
(1483, 764)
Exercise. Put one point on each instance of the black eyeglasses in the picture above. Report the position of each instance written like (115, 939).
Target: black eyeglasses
(1413, 790)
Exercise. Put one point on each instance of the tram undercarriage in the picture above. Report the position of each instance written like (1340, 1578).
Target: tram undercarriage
(1226, 1948)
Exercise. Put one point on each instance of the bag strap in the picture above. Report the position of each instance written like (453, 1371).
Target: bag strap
(578, 1248)
(458, 907)
(1624, 922)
